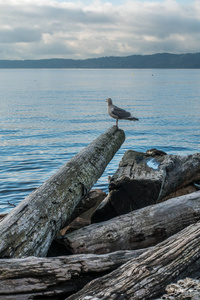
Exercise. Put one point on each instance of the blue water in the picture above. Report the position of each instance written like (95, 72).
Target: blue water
(47, 116)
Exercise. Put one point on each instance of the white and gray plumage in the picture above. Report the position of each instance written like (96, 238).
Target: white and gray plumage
(119, 113)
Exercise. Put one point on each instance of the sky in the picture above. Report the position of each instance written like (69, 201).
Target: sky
(38, 29)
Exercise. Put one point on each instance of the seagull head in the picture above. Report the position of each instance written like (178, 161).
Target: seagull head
(109, 101)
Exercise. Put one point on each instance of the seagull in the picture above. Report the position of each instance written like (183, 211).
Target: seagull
(119, 113)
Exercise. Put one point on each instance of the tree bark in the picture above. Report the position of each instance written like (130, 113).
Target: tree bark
(30, 278)
(147, 276)
(143, 180)
(139, 229)
(30, 227)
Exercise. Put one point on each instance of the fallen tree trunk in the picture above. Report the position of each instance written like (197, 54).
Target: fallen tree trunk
(142, 180)
(30, 227)
(139, 229)
(30, 278)
(147, 276)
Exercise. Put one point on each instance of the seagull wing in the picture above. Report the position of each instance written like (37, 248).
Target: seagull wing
(120, 113)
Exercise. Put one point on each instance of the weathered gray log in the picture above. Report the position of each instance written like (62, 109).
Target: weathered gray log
(30, 227)
(139, 229)
(143, 180)
(29, 278)
(147, 276)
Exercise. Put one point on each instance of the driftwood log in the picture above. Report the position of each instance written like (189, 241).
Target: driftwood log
(37, 277)
(147, 276)
(30, 227)
(139, 229)
(146, 178)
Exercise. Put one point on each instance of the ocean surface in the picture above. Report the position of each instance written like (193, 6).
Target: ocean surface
(48, 116)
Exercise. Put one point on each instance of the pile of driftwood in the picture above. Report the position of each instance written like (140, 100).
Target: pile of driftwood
(66, 241)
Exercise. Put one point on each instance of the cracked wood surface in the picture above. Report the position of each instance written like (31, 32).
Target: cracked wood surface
(30, 228)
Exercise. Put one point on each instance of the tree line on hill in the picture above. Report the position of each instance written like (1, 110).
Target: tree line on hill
(162, 60)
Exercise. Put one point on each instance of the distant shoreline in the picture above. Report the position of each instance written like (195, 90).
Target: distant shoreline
(154, 61)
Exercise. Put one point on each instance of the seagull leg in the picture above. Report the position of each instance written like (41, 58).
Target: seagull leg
(117, 122)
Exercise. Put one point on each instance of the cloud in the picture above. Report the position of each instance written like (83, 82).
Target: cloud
(19, 35)
(44, 29)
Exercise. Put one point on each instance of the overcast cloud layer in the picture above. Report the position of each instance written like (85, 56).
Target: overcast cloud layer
(62, 29)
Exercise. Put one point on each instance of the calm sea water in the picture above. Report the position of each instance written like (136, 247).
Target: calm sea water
(47, 116)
